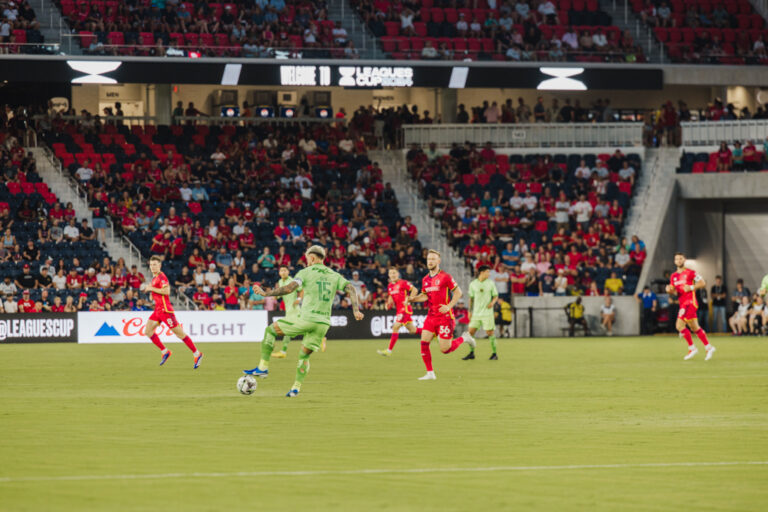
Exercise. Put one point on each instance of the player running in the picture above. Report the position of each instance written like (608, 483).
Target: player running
(291, 302)
(398, 290)
(483, 295)
(434, 289)
(320, 285)
(160, 291)
(684, 283)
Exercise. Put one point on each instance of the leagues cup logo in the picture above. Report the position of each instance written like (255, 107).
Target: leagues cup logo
(347, 76)
(3, 330)
(377, 325)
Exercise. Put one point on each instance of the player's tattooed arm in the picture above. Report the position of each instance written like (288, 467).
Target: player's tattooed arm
(350, 291)
(280, 290)
(421, 297)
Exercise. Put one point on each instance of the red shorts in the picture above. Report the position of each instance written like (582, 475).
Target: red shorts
(167, 318)
(403, 318)
(440, 325)
(688, 312)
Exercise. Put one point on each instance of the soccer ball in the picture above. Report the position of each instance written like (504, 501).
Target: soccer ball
(247, 384)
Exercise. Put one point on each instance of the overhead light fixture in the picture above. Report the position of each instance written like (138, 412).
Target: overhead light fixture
(562, 80)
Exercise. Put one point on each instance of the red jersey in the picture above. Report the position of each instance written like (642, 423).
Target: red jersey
(437, 287)
(162, 302)
(399, 291)
(683, 279)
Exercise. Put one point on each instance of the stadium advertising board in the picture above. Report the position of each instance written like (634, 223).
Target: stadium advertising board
(376, 324)
(306, 73)
(203, 326)
(38, 328)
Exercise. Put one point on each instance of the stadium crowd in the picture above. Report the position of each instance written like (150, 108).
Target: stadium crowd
(264, 28)
(18, 27)
(546, 225)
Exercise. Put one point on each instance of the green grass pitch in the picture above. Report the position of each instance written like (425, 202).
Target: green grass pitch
(556, 424)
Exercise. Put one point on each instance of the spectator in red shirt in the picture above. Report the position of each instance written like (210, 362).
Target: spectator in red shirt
(410, 228)
(135, 278)
(74, 280)
(25, 304)
(339, 230)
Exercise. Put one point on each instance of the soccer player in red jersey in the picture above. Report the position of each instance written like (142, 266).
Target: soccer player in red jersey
(435, 289)
(160, 290)
(398, 290)
(684, 283)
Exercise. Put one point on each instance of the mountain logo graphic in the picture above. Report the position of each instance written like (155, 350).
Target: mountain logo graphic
(107, 330)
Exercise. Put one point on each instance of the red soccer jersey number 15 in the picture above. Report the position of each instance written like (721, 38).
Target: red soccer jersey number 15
(399, 291)
(681, 281)
(162, 302)
(437, 288)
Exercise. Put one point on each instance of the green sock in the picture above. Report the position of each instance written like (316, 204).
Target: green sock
(302, 369)
(286, 339)
(492, 339)
(267, 346)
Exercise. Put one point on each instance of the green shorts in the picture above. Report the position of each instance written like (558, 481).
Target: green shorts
(312, 332)
(486, 323)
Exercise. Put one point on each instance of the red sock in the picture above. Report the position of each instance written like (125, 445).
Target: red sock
(426, 355)
(687, 335)
(418, 331)
(393, 340)
(702, 336)
(156, 340)
(190, 345)
(454, 345)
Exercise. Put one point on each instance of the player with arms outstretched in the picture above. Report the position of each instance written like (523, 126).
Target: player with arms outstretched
(684, 283)
(398, 290)
(291, 302)
(320, 285)
(483, 295)
(436, 288)
(160, 290)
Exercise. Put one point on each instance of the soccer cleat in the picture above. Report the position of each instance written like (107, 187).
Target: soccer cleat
(323, 345)
(165, 358)
(691, 352)
(470, 341)
(710, 352)
(279, 355)
(197, 361)
(429, 376)
(257, 372)
(469, 356)
(494, 357)
(292, 393)
(385, 353)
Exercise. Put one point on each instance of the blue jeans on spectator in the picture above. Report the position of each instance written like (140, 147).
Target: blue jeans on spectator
(718, 319)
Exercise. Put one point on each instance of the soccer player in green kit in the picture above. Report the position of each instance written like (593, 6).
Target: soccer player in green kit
(320, 285)
(483, 295)
(291, 302)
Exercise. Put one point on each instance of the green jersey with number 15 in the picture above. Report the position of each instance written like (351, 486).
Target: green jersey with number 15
(320, 285)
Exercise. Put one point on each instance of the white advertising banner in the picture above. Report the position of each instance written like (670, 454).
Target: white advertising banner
(203, 326)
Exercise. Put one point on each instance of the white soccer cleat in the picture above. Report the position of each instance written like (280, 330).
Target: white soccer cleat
(470, 340)
(429, 376)
(691, 352)
(710, 351)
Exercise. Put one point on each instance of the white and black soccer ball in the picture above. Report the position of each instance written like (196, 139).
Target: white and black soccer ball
(247, 384)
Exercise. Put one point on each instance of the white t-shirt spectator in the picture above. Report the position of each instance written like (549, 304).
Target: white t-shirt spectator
(84, 173)
(743, 310)
(462, 24)
(571, 40)
(339, 35)
(186, 193)
(10, 306)
(346, 145)
(308, 146)
(600, 40)
(406, 19)
(608, 310)
(103, 279)
(583, 211)
(561, 284)
(561, 211)
(530, 202)
(429, 52)
(547, 8)
(626, 173)
(583, 172)
(71, 232)
(59, 282)
(501, 280)
(218, 157)
(527, 266)
(516, 202)
(212, 277)
(8, 288)
(621, 259)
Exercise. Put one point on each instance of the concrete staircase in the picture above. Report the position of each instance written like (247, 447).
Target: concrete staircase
(68, 192)
(652, 199)
(625, 18)
(53, 27)
(410, 204)
(363, 39)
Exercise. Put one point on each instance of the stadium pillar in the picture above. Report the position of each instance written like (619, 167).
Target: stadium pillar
(163, 103)
(448, 101)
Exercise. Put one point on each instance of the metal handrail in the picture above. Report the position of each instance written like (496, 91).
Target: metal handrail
(711, 133)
